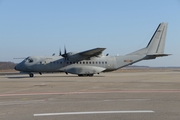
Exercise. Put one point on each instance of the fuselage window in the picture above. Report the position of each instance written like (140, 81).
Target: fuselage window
(86, 62)
(79, 62)
(92, 62)
(70, 62)
(99, 62)
(96, 62)
(102, 62)
(83, 62)
(89, 62)
(105, 62)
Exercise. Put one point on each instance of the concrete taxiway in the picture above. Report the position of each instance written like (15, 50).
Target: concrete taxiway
(108, 96)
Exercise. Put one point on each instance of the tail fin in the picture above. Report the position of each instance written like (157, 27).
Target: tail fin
(155, 47)
(157, 42)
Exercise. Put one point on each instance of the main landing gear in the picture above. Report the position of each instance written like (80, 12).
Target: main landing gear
(83, 75)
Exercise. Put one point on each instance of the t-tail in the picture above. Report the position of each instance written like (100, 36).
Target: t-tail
(155, 47)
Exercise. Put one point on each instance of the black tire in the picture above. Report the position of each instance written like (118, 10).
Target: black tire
(90, 75)
(31, 75)
(80, 75)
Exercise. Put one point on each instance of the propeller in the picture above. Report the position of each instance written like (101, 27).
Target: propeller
(65, 53)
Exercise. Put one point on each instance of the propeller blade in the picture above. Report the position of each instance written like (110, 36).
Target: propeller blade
(65, 50)
(60, 52)
(19, 58)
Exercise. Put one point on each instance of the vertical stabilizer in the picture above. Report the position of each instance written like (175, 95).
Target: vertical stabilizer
(157, 42)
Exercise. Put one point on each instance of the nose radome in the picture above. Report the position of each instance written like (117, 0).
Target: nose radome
(15, 68)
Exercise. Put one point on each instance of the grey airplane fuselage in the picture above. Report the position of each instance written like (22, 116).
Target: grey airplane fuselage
(58, 63)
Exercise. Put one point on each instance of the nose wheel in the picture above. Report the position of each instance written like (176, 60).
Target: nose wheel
(31, 75)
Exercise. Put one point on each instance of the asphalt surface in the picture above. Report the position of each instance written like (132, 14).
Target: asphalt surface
(108, 96)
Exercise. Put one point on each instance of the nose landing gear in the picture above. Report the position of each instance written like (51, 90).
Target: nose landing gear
(31, 75)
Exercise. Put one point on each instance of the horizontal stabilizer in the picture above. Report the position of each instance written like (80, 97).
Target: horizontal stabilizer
(153, 56)
(159, 55)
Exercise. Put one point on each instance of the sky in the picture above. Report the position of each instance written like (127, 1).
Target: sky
(41, 27)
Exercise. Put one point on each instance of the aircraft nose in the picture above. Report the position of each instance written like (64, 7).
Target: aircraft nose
(18, 67)
(15, 68)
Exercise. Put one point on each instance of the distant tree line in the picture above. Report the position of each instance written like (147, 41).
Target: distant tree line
(7, 65)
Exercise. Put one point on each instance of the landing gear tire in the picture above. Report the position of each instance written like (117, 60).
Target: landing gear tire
(80, 75)
(90, 75)
(85, 75)
(31, 75)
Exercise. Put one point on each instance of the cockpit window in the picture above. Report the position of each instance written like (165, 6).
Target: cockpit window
(30, 60)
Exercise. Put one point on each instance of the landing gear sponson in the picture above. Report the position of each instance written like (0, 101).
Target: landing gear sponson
(80, 75)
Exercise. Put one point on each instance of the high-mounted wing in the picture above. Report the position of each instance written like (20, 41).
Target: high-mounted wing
(92, 52)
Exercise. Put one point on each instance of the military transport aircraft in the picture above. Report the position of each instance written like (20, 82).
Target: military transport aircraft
(90, 62)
